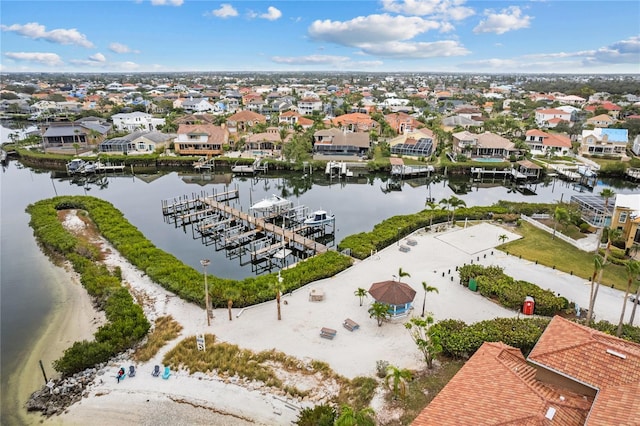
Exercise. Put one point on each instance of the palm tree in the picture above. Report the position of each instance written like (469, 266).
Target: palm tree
(503, 238)
(379, 311)
(612, 234)
(635, 305)
(231, 294)
(633, 269)
(277, 287)
(402, 273)
(445, 204)
(597, 267)
(560, 215)
(455, 202)
(606, 193)
(361, 293)
(399, 378)
(427, 289)
(349, 417)
(432, 207)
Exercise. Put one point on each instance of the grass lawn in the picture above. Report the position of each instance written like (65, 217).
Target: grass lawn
(570, 231)
(537, 245)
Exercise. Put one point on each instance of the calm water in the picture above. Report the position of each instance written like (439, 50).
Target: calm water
(358, 204)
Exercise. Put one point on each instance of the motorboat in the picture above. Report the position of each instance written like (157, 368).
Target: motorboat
(79, 166)
(274, 203)
(319, 218)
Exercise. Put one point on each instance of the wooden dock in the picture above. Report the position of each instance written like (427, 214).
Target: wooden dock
(288, 236)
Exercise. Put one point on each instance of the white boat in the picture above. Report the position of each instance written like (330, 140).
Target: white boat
(79, 166)
(319, 218)
(274, 203)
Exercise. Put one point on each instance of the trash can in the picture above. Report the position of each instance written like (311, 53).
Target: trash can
(473, 285)
(528, 306)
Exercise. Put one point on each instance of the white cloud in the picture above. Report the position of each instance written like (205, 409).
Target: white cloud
(225, 11)
(621, 52)
(443, 9)
(121, 48)
(36, 31)
(167, 2)
(370, 29)
(272, 14)
(508, 19)
(49, 59)
(399, 49)
(98, 57)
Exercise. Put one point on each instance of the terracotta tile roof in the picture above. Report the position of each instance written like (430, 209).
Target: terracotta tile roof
(497, 387)
(215, 133)
(246, 115)
(604, 362)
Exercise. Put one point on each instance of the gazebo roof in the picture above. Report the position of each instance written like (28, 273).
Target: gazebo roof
(392, 292)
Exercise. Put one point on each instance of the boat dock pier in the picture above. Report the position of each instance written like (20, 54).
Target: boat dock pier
(252, 169)
(264, 239)
(205, 164)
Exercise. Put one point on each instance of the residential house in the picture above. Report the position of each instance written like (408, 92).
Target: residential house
(306, 106)
(602, 120)
(626, 218)
(542, 143)
(402, 122)
(485, 144)
(418, 143)
(140, 142)
(201, 139)
(449, 123)
(574, 375)
(197, 105)
(270, 139)
(339, 142)
(551, 117)
(601, 141)
(133, 121)
(571, 100)
(79, 135)
(612, 109)
(355, 122)
(243, 121)
(635, 148)
(292, 118)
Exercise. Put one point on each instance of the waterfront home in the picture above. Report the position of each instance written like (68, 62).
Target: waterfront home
(243, 121)
(79, 135)
(418, 143)
(339, 142)
(542, 143)
(481, 145)
(574, 375)
(601, 141)
(201, 140)
(140, 142)
(402, 122)
(269, 139)
(355, 122)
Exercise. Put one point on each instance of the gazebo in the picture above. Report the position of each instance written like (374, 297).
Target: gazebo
(395, 294)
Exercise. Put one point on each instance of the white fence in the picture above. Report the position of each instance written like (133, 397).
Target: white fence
(544, 227)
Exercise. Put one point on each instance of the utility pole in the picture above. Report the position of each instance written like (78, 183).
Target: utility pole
(205, 263)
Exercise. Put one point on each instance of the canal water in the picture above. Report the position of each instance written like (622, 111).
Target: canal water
(28, 280)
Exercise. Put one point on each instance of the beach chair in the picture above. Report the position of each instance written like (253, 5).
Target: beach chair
(156, 371)
(167, 373)
(132, 371)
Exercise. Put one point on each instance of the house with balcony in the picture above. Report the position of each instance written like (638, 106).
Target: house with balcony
(543, 143)
(339, 142)
(483, 145)
(626, 218)
(307, 105)
(197, 106)
(268, 140)
(80, 135)
(243, 121)
(206, 140)
(135, 121)
(601, 141)
(292, 118)
(551, 117)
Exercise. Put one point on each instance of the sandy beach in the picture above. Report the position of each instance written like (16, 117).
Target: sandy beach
(204, 398)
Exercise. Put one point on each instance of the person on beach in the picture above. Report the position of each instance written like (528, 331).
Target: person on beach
(120, 374)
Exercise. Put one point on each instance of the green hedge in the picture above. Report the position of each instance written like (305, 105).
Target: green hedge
(510, 293)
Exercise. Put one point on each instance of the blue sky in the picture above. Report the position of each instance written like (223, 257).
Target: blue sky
(311, 35)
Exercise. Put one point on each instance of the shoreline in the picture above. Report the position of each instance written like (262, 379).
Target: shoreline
(72, 318)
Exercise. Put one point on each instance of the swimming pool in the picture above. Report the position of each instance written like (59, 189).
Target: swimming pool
(489, 160)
